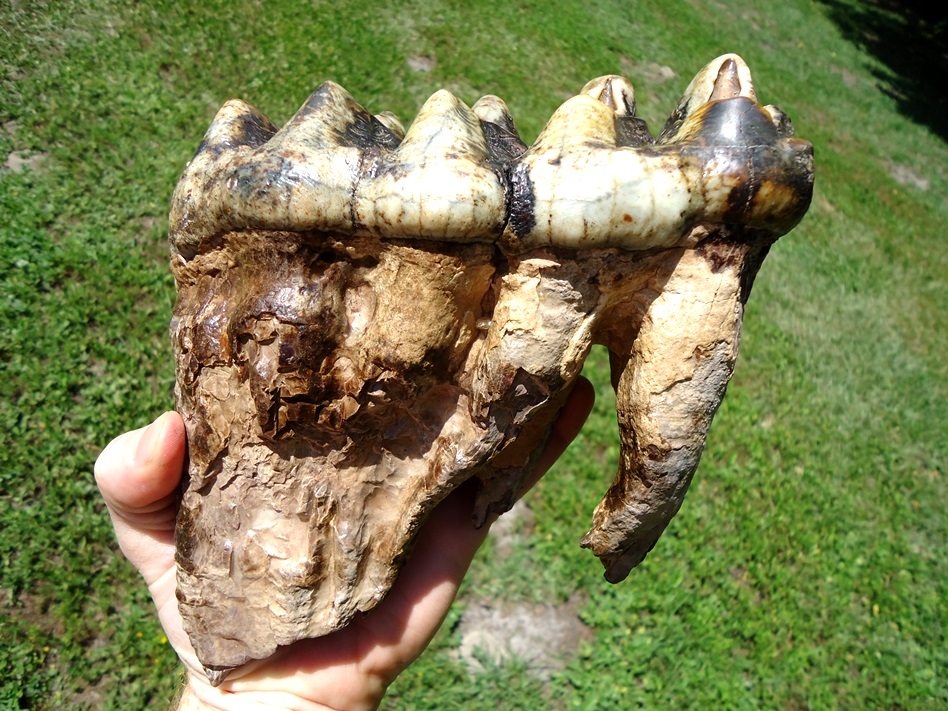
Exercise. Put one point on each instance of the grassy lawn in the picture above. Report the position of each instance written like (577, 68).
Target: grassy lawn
(807, 568)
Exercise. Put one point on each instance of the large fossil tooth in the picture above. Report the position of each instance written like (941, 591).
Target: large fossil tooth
(368, 317)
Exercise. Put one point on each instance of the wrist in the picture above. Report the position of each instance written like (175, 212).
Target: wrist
(189, 702)
(208, 698)
(198, 696)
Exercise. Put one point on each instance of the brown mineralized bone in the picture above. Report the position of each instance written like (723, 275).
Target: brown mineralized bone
(369, 317)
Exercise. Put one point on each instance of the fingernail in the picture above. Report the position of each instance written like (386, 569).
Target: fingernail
(148, 444)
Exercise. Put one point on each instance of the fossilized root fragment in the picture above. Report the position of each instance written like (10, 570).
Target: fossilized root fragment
(368, 317)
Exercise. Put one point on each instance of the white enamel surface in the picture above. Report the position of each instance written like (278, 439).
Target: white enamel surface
(438, 183)
(610, 197)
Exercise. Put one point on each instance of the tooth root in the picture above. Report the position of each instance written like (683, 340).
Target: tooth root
(438, 183)
(543, 307)
(392, 123)
(668, 390)
(614, 91)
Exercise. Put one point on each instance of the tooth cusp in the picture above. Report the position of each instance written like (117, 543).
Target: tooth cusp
(614, 91)
(392, 123)
(237, 124)
(503, 140)
(727, 84)
(438, 183)
(595, 178)
(493, 109)
(725, 77)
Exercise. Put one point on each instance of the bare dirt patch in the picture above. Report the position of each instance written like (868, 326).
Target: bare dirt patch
(904, 175)
(18, 161)
(850, 79)
(650, 71)
(543, 637)
(421, 63)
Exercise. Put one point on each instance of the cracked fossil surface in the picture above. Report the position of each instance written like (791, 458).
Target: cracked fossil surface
(368, 317)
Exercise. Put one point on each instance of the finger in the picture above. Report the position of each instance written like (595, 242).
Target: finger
(448, 531)
(138, 474)
(567, 425)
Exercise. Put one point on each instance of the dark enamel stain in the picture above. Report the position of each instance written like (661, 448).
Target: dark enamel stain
(505, 146)
(251, 129)
(735, 122)
(367, 132)
(522, 218)
(634, 132)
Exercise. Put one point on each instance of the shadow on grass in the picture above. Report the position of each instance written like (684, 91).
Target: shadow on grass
(910, 38)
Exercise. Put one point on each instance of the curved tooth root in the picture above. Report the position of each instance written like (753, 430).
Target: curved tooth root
(668, 388)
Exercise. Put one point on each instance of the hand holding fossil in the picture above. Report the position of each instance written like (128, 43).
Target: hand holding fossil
(139, 475)
(369, 317)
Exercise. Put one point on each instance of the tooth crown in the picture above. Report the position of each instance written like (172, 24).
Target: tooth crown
(594, 178)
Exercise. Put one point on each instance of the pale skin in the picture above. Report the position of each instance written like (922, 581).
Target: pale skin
(139, 473)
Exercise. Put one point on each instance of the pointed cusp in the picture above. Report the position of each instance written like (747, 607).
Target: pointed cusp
(501, 133)
(392, 123)
(248, 175)
(494, 110)
(727, 84)
(237, 124)
(726, 77)
(669, 383)
(614, 91)
(437, 184)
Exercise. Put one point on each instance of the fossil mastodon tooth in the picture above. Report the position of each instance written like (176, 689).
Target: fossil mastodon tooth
(368, 317)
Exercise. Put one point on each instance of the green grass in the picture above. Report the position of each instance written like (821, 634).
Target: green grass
(807, 567)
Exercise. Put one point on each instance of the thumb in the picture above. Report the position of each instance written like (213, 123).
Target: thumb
(138, 475)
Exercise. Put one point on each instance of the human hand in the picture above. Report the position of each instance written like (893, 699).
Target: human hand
(139, 473)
